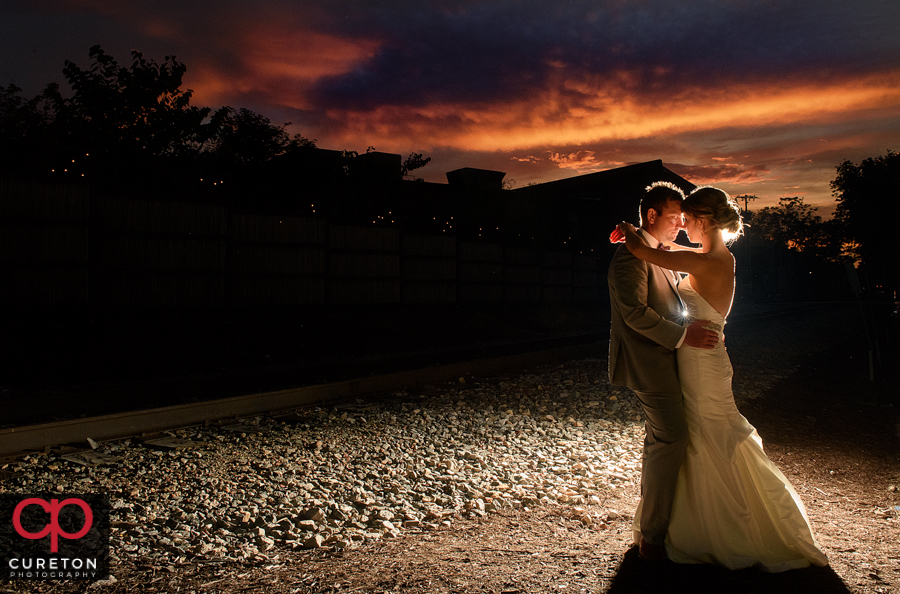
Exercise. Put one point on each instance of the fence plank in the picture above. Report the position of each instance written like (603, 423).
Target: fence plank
(155, 216)
(556, 294)
(345, 237)
(429, 245)
(428, 292)
(277, 258)
(491, 252)
(585, 262)
(558, 259)
(350, 291)
(162, 253)
(276, 229)
(419, 269)
(44, 286)
(364, 265)
(36, 242)
(44, 243)
(160, 289)
(522, 293)
(556, 276)
(258, 289)
(31, 199)
(522, 256)
(585, 294)
(481, 293)
(585, 278)
(522, 274)
(480, 272)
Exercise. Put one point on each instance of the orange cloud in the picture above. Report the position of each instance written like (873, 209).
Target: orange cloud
(731, 173)
(582, 162)
(555, 118)
(771, 134)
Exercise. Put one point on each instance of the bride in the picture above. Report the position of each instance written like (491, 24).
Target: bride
(732, 506)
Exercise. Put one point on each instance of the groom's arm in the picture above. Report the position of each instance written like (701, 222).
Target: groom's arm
(629, 287)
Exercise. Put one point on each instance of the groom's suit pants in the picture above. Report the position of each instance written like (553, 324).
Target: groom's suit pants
(665, 444)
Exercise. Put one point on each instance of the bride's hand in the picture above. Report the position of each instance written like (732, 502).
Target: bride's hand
(617, 236)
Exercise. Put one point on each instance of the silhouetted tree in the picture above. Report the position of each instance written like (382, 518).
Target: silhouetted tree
(135, 125)
(241, 137)
(867, 196)
(25, 132)
(18, 117)
(413, 161)
(129, 113)
(795, 224)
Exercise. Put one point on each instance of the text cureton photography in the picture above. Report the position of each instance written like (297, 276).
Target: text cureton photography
(54, 536)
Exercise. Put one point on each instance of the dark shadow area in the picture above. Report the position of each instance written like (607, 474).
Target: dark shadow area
(636, 576)
(86, 365)
(91, 365)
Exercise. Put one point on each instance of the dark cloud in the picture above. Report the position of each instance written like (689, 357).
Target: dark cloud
(475, 52)
(471, 55)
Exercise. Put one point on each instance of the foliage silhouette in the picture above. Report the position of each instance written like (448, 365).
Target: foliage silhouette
(795, 224)
(867, 198)
(413, 161)
(135, 126)
(25, 127)
(134, 112)
(241, 136)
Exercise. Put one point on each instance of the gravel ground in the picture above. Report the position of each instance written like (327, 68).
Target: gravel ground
(341, 477)
(556, 442)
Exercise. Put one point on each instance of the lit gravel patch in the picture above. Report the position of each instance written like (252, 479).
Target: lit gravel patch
(339, 477)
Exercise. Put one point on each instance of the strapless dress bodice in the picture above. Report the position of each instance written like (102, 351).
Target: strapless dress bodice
(698, 308)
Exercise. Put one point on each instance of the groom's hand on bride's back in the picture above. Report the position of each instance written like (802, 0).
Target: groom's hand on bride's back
(699, 337)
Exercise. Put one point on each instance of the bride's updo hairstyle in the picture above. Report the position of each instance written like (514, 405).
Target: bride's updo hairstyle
(717, 207)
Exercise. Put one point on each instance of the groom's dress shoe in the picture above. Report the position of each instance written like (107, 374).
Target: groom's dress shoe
(651, 552)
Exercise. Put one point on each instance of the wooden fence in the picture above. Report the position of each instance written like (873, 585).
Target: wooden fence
(61, 247)
(150, 253)
(44, 244)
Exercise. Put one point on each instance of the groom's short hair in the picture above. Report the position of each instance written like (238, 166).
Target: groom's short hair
(656, 196)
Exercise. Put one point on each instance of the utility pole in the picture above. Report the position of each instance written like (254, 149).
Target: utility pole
(746, 198)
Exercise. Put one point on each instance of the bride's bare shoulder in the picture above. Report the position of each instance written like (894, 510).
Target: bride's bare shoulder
(725, 258)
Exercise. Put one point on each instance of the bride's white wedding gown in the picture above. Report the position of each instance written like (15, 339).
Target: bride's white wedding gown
(732, 507)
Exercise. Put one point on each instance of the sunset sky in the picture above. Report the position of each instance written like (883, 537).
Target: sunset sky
(758, 97)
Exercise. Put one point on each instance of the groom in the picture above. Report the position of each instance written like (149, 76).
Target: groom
(644, 335)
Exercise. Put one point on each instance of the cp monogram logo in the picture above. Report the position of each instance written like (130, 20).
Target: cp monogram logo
(53, 528)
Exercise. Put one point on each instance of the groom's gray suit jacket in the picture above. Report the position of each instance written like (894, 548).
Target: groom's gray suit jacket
(645, 326)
